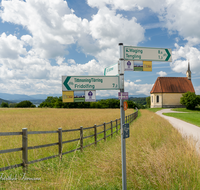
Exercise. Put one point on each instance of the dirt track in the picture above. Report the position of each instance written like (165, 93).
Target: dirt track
(186, 129)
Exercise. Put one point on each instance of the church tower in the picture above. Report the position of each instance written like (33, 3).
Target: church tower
(188, 73)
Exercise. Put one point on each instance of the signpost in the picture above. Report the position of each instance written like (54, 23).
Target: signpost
(131, 59)
(122, 112)
(80, 83)
(147, 54)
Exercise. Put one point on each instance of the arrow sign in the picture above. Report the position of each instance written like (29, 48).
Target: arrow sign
(147, 54)
(112, 70)
(83, 83)
(66, 83)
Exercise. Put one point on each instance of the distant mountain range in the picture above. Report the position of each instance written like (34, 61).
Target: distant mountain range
(21, 97)
(38, 98)
(6, 101)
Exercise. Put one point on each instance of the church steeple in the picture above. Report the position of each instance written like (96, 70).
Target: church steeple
(188, 73)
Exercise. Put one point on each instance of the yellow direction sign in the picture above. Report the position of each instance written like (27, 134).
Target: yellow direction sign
(68, 96)
(147, 65)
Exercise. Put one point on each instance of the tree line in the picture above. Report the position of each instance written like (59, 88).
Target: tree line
(189, 100)
(23, 104)
(56, 102)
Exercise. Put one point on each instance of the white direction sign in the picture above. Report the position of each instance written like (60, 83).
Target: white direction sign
(112, 70)
(73, 83)
(147, 54)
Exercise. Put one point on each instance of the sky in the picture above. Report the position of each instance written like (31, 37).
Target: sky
(43, 40)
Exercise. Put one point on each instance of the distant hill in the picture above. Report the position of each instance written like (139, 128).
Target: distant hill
(2, 100)
(21, 97)
(39, 98)
(139, 100)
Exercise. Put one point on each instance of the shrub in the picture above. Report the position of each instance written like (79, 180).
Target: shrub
(189, 99)
(25, 104)
(4, 105)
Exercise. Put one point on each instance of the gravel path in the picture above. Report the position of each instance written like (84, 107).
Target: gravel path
(186, 129)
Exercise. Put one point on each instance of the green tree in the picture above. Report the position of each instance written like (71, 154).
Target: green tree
(131, 104)
(25, 104)
(12, 105)
(189, 100)
(148, 102)
(198, 99)
(4, 105)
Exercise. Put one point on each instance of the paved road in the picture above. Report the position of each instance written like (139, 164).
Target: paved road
(186, 129)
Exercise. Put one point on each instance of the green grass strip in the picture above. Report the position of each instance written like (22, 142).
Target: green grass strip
(191, 117)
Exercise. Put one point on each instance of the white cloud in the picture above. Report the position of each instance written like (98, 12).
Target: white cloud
(181, 56)
(162, 73)
(110, 29)
(135, 89)
(51, 23)
(52, 27)
(128, 4)
(11, 47)
(176, 15)
(71, 61)
(182, 16)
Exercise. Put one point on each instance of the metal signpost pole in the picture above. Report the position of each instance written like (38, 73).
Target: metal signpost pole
(123, 140)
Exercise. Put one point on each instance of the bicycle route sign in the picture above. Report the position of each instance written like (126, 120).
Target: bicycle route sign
(78, 83)
(147, 54)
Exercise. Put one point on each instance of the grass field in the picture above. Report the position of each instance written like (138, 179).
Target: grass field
(138, 68)
(79, 99)
(157, 158)
(193, 116)
(155, 109)
(13, 120)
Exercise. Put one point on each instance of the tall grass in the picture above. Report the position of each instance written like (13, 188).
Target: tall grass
(13, 120)
(157, 158)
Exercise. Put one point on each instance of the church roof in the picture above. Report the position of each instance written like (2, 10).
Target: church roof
(172, 85)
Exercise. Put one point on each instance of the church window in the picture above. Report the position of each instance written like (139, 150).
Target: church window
(157, 98)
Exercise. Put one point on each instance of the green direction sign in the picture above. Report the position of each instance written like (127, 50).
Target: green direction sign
(111, 70)
(73, 83)
(147, 54)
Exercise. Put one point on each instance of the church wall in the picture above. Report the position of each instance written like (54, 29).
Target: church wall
(172, 99)
(166, 100)
(154, 102)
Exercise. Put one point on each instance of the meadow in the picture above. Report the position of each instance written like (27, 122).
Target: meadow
(190, 116)
(157, 155)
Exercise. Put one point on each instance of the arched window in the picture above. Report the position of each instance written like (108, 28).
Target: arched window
(157, 98)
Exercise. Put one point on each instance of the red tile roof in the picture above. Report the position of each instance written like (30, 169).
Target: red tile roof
(172, 85)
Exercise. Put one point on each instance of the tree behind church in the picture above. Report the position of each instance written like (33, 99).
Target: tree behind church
(189, 100)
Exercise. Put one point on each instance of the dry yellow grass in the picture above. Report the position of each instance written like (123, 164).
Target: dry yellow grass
(41, 119)
(157, 158)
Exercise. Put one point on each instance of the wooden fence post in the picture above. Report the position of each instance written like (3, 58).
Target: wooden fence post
(104, 131)
(60, 142)
(95, 134)
(25, 150)
(81, 138)
(111, 129)
(116, 126)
